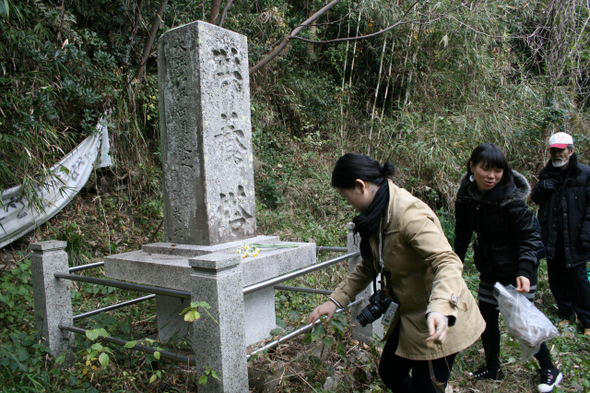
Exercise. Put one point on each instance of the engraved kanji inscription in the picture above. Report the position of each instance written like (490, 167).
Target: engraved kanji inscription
(234, 210)
(231, 139)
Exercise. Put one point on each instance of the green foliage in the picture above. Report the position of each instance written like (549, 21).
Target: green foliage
(192, 314)
(423, 96)
(208, 372)
(53, 90)
(447, 222)
(269, 194)
(22, 356)
(338, 325)
(96, 353)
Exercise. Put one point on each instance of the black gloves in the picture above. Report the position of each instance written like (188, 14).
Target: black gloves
(548, 185)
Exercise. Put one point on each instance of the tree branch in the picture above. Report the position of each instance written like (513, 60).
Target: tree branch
(214, 11)
(362, 37)
(285, 40)
(150, 42)
(224, 12)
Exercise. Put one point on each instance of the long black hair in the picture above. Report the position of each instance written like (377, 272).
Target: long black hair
(353, 166)
(491, 156)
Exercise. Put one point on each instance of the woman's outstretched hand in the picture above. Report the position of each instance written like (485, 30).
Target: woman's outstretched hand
(328, 308)
(523, 284)
(437, 328)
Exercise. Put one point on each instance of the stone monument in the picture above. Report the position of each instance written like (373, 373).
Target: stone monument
(206, 136)
(209, 205)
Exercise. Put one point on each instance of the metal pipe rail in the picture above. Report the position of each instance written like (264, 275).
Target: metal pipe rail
(191, 361)
(125, 285)
(295, 333)
(301, 289)
(87, 266)
(297, 273)
(187, 295)
(113, 307)
(165, 354)
(330, 249)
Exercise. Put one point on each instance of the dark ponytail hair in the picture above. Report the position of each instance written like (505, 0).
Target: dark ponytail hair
(352, 166)
(491, 156)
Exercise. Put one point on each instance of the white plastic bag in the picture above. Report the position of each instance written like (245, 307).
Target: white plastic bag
(524, 321)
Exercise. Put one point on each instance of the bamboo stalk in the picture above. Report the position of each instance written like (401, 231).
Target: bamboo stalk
(350, 75)
(387, 87)
(376, 95)
(343, 87)
(399, 98)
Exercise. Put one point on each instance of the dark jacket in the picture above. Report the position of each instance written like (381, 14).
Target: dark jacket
(507, 233)
(568, 208)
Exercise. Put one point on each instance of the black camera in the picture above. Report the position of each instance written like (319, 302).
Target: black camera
(378, 304)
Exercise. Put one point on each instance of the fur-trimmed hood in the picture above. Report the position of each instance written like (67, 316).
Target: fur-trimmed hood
(500, 194)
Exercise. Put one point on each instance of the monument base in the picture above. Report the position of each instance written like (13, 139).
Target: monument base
(166, 265)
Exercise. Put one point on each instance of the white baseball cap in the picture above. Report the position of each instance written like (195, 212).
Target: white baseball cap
(561, 140)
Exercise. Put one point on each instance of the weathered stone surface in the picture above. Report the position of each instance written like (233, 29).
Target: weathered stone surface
(206, 135)
(191, 250)
(170, 269)
(167, 265)
(219, 341)
(53, 299)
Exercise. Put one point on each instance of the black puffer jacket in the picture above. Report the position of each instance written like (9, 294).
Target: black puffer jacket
(573, 216)
(508, 238)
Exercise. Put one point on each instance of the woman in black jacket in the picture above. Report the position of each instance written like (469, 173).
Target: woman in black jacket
(491, 203)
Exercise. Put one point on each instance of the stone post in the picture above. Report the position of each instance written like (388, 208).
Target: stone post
(363, 334)
(53, 300)
(219, 342)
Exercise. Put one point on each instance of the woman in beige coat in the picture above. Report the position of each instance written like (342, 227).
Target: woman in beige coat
(436, 315)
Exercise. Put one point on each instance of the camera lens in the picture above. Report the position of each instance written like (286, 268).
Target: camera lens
(362, 320)
(368, 315)
(378, 304)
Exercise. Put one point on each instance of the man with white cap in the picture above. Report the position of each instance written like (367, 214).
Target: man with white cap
(563, 196)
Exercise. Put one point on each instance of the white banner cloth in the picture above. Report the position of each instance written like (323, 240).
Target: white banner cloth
(18, 217)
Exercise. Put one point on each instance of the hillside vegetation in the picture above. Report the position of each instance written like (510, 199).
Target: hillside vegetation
(426, 83)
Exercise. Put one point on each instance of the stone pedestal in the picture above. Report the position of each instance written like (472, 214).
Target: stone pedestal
(259, 307)
(167, 265)
(171, 324)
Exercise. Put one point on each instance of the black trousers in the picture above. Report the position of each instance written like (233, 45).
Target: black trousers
(395, 371)
(490, 339)
(570, 287)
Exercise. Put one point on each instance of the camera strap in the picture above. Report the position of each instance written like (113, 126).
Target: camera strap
(380, 262)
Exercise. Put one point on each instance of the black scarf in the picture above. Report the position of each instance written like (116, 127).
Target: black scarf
(368, 223)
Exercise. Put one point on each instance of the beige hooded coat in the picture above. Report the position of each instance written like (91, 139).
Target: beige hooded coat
(423, 274)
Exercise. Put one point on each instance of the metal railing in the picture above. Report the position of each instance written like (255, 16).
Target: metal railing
(297, 273)
(87, 266)
(125, 285)
(166, 354)
(187, 295)
(113, 307)
(295, 333)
